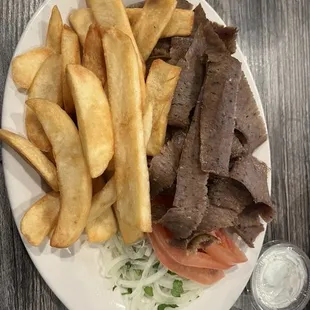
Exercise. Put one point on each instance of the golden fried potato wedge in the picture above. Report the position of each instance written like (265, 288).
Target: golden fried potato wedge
(73, 174)
(47, 82)
(102, 228)
(54, 31)
(80, 21)
(154, 18)
(132, 180)
(46, 85)
(147, 121)
(33, 156)
(181, 23)
(160, 86)
(112, 13)
(70, 50)
(103, 200)
(101, 223)
(94, 118)
(26, 66)
(35, 131)
(93, 57)
(130, 234)
(40, 219)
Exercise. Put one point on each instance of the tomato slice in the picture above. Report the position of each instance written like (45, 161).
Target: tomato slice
(226, 251)
(199, 259)
(200, 275)
(240, 256)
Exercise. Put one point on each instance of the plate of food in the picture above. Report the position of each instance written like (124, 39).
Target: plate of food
(136, 155)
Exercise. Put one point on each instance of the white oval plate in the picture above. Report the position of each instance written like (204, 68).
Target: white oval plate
(74, 274)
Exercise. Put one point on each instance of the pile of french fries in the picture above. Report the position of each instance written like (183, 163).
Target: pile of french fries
(92, 117)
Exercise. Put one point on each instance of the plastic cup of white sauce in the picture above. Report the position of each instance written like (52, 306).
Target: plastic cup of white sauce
(281, 278)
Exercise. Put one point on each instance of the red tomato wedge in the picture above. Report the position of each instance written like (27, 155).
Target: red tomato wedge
(221, 254)
(200, 275)
(226, 251)
(199, 259)
(240, 256)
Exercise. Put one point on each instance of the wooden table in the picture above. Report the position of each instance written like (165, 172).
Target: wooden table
(274, 35)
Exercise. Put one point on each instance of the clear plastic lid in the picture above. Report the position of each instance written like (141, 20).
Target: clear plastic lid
(281, 278)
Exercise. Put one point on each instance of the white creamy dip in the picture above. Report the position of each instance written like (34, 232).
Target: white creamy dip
(279, 277)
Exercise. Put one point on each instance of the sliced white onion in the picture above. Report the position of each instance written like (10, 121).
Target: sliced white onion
(140, 273)
(116, 264)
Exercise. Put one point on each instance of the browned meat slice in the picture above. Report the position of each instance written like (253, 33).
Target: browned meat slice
(199, 17)
(227, 193)
(179, 48)
(216, 218)
(253, 175)
(249, 234)
(248, 119)
(248, 225)
(158, 211)
(215, 48)
(161, 49)
(227, 199)
(163, 167)
(190, 201)
(228, 35)
(180, 45)
(205, 42)
(190, 82)
(217, 115)
(237, 149)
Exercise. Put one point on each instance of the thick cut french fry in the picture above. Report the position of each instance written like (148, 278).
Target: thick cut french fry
(80, 21)
(47, 82)
(35, 131)
(33, 156)
(101, 223)
(54, 31)
(131, 173)
(93, 57)
(102, 228)
(94, 118)
(154, 18)
(181, 23)
(26, 66)
(70, 50)
(73, 176)
(112, 13)
(46, 85)
(147, 121)
(102, 201)
(130, 234)
(160, 86)
(40, 219)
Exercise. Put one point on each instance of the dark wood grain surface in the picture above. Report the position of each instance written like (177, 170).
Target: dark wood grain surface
(274, 36)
